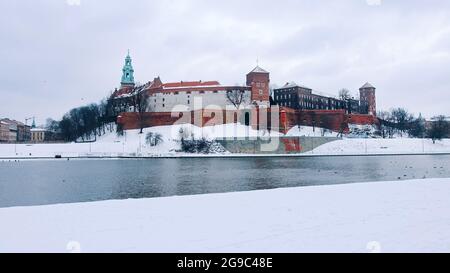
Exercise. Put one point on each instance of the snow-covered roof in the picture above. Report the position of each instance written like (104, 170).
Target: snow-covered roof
(367, 85)
(258, 69)
(38, 130)
(190, 87)
(293, 84)
(190, 84)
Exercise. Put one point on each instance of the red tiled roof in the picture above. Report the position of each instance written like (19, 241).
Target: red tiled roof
(122, 91)
(190, 84)
(158, 87)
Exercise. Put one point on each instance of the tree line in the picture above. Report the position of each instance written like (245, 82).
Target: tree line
(398, 121)
(84, 123)
(87, 122)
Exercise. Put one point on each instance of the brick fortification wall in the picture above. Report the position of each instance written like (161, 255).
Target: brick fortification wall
(199, 117)
(335, 120)
(363, 119)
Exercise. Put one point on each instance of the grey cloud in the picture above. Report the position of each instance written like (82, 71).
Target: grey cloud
(55, 56)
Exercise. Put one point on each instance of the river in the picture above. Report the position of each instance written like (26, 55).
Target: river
(40, 182)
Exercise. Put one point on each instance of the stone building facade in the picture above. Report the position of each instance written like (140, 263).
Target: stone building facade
(300, 97)
(14, 131)
(38, 135)
(4, 132)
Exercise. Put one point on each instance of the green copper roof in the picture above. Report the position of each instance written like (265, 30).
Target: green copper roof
(127, 71)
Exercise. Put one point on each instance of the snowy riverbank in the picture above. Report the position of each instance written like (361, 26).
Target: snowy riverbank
(133, 144)
(406, 216)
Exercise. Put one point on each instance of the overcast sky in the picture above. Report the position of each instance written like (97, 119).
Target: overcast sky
(59, 54)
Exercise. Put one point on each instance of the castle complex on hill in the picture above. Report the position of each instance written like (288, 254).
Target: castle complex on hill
(182, 96)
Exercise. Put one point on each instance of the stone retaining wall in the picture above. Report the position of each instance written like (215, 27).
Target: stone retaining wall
(274, 145)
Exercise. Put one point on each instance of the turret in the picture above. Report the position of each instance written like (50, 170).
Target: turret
(127, 73)
(368, 99)
(258, 79)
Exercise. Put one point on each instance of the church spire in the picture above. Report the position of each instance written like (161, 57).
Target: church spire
(127, 72)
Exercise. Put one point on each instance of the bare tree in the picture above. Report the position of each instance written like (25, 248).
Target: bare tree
(386, 129)
(141, 104)
(439, 128)
(237, 97)
(417, 127)
(401, 118)
(344, 94)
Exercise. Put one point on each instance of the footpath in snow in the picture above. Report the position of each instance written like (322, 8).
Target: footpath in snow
(133, 144)
(401, 216)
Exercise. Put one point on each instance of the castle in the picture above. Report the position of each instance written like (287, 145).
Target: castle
(188, 96)
(164, 97)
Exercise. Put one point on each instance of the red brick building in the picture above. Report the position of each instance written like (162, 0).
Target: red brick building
(368, 99)
(300, 97)
(259, 81)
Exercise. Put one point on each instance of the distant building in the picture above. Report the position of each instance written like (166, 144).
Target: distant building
(4, 131)
(300, 97)
(23, 132)
(38, 135)
(14, 131)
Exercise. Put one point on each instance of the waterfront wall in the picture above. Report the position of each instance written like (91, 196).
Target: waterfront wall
(258, 118)
(274, 145)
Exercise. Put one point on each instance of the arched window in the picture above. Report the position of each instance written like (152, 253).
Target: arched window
(247, 119)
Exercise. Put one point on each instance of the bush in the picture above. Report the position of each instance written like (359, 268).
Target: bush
(153, 139)
(201, 146)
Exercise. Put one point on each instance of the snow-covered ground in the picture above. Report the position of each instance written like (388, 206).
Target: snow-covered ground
(134, 144)
(131, 143)
(310, 132)
(358, 146)
(400, 216)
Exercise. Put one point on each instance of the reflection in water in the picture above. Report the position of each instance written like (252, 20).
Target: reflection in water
(50, 182)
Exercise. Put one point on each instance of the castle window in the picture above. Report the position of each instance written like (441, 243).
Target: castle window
(176, 93)
(164, 105)
(215, 91)
(202, 92)
(189, 102)
(188, 92)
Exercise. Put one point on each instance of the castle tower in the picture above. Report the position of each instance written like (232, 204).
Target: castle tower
(127, 73)
(368, 99)
(258, 79)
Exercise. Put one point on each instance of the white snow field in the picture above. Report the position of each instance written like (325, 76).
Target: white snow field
(400, 216)
(133, 143)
